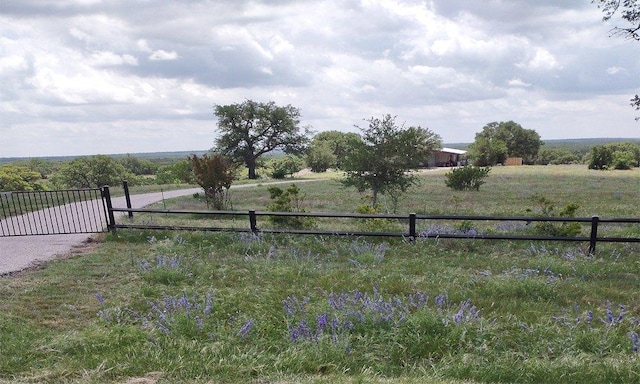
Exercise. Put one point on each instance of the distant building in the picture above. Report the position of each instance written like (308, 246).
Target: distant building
(447, 157)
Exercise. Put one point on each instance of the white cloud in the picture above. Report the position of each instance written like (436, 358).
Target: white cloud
(71, 69)
(161, 54)
(517, 82)
(616, 70)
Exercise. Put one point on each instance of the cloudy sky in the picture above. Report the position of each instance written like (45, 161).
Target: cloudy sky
(119, 76)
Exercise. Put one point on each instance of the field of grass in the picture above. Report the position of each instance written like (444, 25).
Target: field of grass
(166, 307)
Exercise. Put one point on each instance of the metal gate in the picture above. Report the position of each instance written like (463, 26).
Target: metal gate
(53, 212)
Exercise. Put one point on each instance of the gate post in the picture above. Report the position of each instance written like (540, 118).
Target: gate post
(111, 220)
(125, 187)
(594, 234)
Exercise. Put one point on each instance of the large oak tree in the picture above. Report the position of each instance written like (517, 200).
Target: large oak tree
(250, 129)
(497, 141)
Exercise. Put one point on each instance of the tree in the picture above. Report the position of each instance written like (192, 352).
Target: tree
(251, 129)
(629, 11)
(214, 174)
(320, 157)
(380, 161)
(519, 142)
(92, 172)
(601, 157)
(286, 165)
(338, 142)
(17, 178)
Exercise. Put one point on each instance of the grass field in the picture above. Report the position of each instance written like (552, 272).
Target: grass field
(166, 307)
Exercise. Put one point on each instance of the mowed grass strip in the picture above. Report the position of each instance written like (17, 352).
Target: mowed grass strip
(162, 306)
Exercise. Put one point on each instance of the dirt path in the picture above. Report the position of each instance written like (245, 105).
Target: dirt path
(22, 252)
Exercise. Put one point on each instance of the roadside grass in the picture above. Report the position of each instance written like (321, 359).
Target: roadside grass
(168, 306)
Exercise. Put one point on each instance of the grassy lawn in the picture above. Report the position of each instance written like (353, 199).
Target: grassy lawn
(166, 307)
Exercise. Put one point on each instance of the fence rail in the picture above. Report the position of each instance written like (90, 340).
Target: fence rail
(410, 221)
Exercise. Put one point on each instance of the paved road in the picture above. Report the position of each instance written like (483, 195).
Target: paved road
(20, 252)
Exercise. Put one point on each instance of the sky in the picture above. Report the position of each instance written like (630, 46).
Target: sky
(85, 77)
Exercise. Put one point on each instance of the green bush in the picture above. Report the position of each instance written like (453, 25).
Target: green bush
(284, 166)
(466, 178)
(289, 200)
(547, 209)
(623, 160)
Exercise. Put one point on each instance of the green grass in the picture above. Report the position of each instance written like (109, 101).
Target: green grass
(208, 307)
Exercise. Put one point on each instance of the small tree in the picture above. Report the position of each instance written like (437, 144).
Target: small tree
(466, 178)
(289, 200)
(381, 161)
(214, 174)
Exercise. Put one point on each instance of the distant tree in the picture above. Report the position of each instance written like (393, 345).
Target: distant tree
(43, 167)
(519, 142)
(138, 166)
(214, 173)
(320, 157)
(555, 156)
(285, 166)
(487, 151)
(381, 160)
(338, 142)
(92, 172)
(601, 157)
(18, 178)
(251, 129)
(629, 11)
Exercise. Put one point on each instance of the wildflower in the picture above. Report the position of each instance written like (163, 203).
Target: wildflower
(100, 298)
(245, 329)
(634, 342)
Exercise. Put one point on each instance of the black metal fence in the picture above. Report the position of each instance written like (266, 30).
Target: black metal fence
(53, 212)
(410, 222)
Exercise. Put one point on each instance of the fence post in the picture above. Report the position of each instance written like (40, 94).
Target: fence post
(594, 234)
(125, 187)
(111, 220)
(253, 222)
(412, 226)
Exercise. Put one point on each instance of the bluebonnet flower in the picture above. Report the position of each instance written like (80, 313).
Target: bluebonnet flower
(634, 342)
(245, 329)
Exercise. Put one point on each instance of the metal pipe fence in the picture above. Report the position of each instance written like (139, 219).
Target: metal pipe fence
(409, 221)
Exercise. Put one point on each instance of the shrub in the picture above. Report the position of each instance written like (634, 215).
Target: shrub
(622, 160)
(214, 174)
(547, 209)
(287, 165)
(289, 200)
(467, 178)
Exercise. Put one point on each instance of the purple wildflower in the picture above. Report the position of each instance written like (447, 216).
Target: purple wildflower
(245, 329)
(634, 342)
(100, 298)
